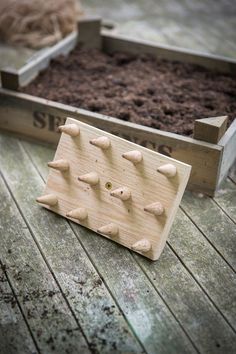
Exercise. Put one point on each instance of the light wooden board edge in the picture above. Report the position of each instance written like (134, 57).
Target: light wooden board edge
(167, 190)
(38, 118)
(228, 143)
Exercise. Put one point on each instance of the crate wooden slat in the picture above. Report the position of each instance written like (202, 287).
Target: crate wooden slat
(38, 118)
(131, 217)
(13, 79)
(115, 42)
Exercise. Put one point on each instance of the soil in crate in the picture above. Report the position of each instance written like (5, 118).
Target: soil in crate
(142, 89)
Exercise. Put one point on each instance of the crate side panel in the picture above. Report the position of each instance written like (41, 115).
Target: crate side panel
(113, 43)
(39, 119)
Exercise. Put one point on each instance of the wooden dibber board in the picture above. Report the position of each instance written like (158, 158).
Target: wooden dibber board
(131, 198)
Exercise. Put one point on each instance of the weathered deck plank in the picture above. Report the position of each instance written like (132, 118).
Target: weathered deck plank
(232, 173)
(15, 337)
(191, 306)
(52, 325)
(208, 268)
(127, 282)
(213, 223)
(226, 198)
(201, 311)
(98, 316)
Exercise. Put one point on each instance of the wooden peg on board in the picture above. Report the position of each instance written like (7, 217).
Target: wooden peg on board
(79, 214)
(109, 229)
(210, 130)
(142, 246)
(169, 170)
(102, 142)
(89, 178)
(48, 199)
(60, 165)
(69, 129)
(156, 208)
(134, 156)
(122, 193)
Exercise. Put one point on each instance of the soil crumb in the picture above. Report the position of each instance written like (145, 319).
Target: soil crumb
(157, 93)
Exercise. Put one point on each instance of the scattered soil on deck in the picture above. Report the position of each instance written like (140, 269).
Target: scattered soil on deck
(142, 89)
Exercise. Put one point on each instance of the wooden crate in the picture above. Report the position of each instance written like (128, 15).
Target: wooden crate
(37, 118)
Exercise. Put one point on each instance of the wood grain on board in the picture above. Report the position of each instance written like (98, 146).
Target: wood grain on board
(116, 192)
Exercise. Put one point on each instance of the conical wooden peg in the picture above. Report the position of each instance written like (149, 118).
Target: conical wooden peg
(122, 193)
(168, 170)
(109, 229)
(155, 208)
(79, 213)
(48, 199)
(90, 178)
(102, 142)
(134, 156)
(142, 246)
(60, 165)
(70, 129)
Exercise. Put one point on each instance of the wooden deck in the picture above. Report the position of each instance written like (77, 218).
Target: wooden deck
(64, 289)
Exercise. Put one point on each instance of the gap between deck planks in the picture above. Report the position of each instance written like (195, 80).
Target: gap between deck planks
(214, 223)
(15, 336)
(56, 238)
(40, 155)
